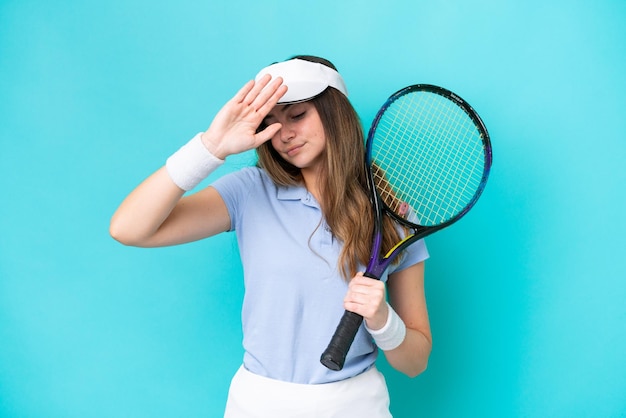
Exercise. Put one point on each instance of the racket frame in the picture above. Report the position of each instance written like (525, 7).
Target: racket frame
(377, 264)
(334, 356)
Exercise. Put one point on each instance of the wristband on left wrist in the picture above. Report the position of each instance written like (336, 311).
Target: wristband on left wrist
(392, 334)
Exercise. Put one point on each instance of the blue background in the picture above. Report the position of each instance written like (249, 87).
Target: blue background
(527, 294)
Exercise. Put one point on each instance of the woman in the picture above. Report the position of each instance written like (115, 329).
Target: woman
(304, 226)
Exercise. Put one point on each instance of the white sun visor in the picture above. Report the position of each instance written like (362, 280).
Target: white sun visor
(304, 79)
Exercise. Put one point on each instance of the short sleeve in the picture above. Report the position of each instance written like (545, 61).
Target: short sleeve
(235, 188)
(413, 254)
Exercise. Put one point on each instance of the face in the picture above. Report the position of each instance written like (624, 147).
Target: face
(301, 140)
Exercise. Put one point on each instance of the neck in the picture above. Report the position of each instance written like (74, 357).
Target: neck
(311, 182)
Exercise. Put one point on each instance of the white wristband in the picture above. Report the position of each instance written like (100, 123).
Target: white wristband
(191, 164)
(392, 334)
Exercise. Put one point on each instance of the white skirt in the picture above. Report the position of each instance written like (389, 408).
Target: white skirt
(252, 396)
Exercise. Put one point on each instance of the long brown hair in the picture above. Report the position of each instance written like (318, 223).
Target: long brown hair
(344, 192)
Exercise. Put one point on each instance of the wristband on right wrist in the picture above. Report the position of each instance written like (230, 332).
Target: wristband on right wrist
(191, 164)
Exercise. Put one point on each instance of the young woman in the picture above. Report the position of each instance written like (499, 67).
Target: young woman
(304, 226)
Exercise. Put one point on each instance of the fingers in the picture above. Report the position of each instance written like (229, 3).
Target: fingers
(366, 284)
(234, 128)
(267, 133)
(269, 97)
(262, 95)
(243, 92)
(366, 297)
(256, 88)
(261, 98)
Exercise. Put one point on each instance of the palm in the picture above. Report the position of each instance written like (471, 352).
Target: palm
(234, 129)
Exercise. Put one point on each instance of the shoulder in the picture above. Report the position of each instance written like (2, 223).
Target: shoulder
(412, 255)
(246, 178)
(244, 173)
(242, 189)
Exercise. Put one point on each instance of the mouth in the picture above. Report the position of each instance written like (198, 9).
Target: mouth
(293, 150)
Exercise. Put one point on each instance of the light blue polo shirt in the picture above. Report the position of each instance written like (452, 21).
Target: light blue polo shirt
(293, 289)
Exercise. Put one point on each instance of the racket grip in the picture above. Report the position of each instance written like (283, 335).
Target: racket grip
(335, 354)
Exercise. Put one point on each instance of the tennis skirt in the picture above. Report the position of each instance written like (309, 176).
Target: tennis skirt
(252, 396)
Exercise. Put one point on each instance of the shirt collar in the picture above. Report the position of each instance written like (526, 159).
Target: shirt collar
(296, 193)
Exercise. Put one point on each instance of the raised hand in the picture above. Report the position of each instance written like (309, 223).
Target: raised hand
(234, 128)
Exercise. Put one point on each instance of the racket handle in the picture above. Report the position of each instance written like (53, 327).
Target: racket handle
(335, 354)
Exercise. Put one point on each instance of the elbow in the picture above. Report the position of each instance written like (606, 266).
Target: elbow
(421, 363)
(117, 234)
(417, 369)
(414, 365)
(120, 234)
(126, 233)
(421, 355)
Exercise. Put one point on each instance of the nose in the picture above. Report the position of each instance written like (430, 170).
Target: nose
(286, 132)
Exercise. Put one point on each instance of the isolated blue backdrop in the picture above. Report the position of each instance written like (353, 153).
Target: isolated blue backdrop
(527, 295)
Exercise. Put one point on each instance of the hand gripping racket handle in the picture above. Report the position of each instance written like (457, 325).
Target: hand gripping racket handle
(335, 354)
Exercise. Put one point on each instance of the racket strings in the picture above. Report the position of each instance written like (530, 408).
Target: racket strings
(385, 191)
(429, 158)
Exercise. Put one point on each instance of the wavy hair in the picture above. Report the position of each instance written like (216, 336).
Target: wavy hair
(345, 200)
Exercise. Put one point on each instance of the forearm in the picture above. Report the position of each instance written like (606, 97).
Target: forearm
(149, 216)
(411, 357)
(145, 209)
(156, 214)
(406, 295)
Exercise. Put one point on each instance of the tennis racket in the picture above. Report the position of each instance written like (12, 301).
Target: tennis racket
(428, 157)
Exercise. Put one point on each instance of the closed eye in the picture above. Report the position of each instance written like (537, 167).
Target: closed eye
(298, 116)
